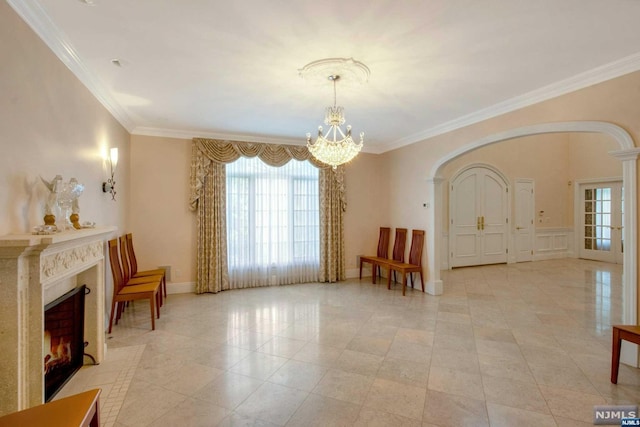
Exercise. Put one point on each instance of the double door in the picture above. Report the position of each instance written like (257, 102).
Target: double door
(479, 212)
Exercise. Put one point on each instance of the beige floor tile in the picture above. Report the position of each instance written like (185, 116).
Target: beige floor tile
(516, 394)
(324, 411)
(258, 365)
(454, 328)
(409, 351)
(396, 398)
(404, 371)
(240, 420)
(499, 348)
(145, 402)
(505, 367)
(223, 356)
(281, 346)
(372, 418)
(300, 375)
(415, 336)
(571, 404)
(372, 345)
(359, 363)
(228, 390)
(449, 410)
(567, 377)
(192, 413)
(505, 416)
(452, 381)
(345, 386)
(318, 354)
(455, 342)
(461, 361)
(189, 378)
(273, 403)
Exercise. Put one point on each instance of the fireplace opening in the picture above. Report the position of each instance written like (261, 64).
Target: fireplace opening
(63, 346)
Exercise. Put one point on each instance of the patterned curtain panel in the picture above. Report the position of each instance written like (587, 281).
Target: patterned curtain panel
(212, 271)
(208, 198)
(332, 208)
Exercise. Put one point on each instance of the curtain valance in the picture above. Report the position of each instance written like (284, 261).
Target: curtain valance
(205, 151)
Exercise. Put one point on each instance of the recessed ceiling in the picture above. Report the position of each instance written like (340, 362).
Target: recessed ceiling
(230, 69)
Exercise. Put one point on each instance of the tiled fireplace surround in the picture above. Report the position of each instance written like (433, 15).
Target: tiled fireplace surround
(35, 270)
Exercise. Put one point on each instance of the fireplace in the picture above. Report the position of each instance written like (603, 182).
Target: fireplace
(63, 344)
(36, 270)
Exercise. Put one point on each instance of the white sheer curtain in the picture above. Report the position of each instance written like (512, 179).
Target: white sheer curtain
(273, 225)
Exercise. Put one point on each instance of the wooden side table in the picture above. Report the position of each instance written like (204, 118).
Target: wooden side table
(81, 410)
(629, 333)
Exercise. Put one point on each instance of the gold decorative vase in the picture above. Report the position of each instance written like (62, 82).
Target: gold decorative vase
(75, 220)
(49, 219)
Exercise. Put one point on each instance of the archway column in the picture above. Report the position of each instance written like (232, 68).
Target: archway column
(434, 235)
(629, 158)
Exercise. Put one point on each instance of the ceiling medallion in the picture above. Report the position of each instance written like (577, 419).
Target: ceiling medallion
(337, 147)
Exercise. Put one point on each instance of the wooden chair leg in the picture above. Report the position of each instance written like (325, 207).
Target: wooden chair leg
(152, 305)
(389, 279)
(113, 307)
(360, 269)
(421, 280)
(164, 285)
(158, 298)
(615, 355)
(404, 283)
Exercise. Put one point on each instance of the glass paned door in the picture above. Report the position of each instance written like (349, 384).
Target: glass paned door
(602, 215)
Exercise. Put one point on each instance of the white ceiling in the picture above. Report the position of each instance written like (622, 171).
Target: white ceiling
(229, 69)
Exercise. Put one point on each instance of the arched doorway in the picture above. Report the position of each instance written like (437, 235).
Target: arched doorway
(628, 154)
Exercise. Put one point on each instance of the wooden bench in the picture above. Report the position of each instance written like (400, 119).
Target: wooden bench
(79, 410)
(629, 333)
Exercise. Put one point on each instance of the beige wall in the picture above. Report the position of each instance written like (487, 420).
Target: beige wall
(165, 230)
(163, 227)
(51, 124)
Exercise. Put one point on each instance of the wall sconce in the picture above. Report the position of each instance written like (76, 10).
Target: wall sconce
(109, 186)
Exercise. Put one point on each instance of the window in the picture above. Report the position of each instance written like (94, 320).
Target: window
(272, 222)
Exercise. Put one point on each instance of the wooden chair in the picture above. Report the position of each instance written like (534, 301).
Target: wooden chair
(133, 263)
(629, 333)
(399, 246)
(415, 262)
(128, 276)
(383, 253)
(123, 293)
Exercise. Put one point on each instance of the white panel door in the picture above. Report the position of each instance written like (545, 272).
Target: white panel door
(479, 217)
(524, 216)
(601, 222)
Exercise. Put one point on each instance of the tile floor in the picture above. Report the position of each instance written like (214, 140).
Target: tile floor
(524, 344)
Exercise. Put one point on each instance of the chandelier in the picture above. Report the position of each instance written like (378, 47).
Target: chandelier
(337, 147)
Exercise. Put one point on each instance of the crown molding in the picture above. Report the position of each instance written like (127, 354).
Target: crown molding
(190, 134)
(600, 74)
(32, 12)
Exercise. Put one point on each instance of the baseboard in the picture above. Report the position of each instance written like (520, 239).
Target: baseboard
(181, 288)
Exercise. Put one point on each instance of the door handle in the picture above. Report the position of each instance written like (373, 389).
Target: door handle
(477, 223)
(520, 228)
(482, 222)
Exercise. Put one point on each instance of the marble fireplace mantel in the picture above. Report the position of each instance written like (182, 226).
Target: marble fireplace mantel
(35, 270)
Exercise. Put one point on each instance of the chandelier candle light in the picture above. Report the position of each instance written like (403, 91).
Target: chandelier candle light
(337, 147)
